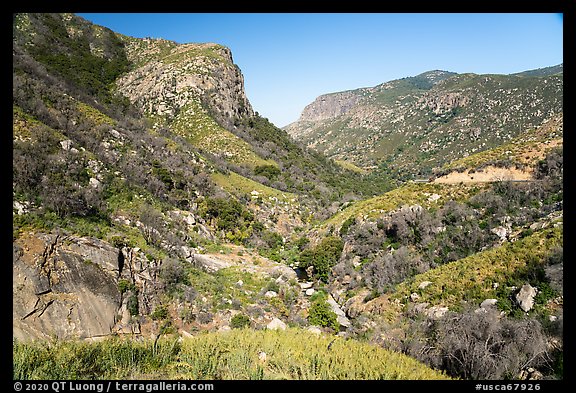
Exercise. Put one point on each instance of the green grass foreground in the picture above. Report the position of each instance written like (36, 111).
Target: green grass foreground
(291, 354)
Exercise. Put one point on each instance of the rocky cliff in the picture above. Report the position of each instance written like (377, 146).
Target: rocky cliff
(169, 76)
(329, 105)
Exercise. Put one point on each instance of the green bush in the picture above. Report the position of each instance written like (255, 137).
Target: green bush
(227, 214)
(160, 312)
(322, 257)
(321, 314)
(346, 226)
(269, 171)
(162, 173)
(125, 285)
(133, 305)
(239, 321)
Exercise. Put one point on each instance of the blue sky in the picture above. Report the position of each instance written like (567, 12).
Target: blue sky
(290, 59)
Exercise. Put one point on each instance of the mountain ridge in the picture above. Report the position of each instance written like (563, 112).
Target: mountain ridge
(445, 118)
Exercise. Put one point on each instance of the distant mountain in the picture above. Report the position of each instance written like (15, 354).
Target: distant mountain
(415, 124)
(553, 70)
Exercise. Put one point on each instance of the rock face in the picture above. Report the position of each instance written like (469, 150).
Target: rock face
(329, 106)
(67, 287)
(176, 74)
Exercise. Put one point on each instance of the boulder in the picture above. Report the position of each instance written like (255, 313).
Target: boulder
(209, 264)
(436, 312)
(421, 307)
(283, 272)
(276, 324)
(488, 303)
(424, 284)
(94, 183)
(68, 287)
(530, 374)
(66, 145)
(501, 232)
(305, 285)
(115, 134)
(21, 208)
(340, 315)
(525, 297)
(65, 287)
(184, 334)
(314, 329)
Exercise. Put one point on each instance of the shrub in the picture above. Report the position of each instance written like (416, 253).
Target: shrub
(162, 174)
(346, 226)
(205, 317)
(323, 257)
(227, 214)
(133, 304)
(160, 312)
(479, 345)
(269, 171)
(392, 268)
(173, 273)
(239, 321)
(272, 240)
(272, 285)
(125, 285)
(321, 314)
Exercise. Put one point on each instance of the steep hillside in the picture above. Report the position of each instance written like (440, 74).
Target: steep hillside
(437, 269)
(413, 125)
(137, 183)
(196, 91)
(140, 163)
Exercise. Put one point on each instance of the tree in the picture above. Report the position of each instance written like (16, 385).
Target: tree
(227, 214)
(322, 257)
(153, 222)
